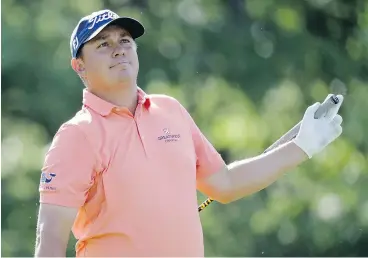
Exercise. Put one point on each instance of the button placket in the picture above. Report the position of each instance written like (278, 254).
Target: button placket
(137, 124)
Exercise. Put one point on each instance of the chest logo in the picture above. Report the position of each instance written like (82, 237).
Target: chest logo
(168, 136)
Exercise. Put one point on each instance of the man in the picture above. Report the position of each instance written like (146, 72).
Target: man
(123, 172)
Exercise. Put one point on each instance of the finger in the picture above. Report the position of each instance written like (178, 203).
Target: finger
(328, 97)
(331, 113)
(337, 119)
(338, 130)
(312, 109)
(334, 132)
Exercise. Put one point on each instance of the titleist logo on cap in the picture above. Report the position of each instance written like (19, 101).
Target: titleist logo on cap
(102, 17)
(75, 43)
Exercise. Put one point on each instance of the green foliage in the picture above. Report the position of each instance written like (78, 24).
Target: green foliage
(246, 71)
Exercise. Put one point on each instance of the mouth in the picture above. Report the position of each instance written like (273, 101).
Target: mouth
(120, 63)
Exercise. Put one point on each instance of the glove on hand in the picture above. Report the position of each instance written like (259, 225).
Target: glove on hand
(315, 134)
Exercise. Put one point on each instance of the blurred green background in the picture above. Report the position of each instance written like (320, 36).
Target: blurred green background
(246, 70)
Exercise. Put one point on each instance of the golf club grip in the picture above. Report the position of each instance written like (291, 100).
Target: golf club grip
(291, 134)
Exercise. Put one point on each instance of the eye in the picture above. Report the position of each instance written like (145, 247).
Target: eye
(125, 40)
(104, 44)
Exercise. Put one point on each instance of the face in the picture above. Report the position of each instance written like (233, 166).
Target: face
(109, 60)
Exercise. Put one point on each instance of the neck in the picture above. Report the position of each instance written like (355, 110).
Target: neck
(125, 97)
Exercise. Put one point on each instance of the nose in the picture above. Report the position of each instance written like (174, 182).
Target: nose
(118, 51)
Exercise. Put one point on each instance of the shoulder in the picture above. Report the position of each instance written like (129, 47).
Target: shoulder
(162, 99)
(166, 102)
(169, 104)
(82, 127)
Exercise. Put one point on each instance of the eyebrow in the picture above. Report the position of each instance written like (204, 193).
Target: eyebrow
(106, 35)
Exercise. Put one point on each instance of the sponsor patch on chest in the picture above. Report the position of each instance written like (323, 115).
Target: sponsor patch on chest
(168, 136)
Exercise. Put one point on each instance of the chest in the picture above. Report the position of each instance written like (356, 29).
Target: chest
(153, 148)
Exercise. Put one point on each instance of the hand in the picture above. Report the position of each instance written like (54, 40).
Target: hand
(315, 134)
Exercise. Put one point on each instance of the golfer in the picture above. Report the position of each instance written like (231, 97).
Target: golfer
(122, 173)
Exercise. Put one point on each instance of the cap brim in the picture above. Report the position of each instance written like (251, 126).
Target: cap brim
(134, 27)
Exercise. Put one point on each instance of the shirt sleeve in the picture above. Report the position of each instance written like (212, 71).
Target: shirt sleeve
(209, 161)
(68, 168)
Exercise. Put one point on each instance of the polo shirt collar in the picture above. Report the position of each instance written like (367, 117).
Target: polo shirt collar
(104, 108)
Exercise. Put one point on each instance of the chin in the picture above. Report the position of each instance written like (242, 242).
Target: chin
(126, 76)
(126, 80)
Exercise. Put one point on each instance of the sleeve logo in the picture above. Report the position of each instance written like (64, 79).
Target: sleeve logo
(47, 177)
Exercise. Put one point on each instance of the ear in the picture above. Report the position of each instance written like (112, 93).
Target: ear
(78, 66)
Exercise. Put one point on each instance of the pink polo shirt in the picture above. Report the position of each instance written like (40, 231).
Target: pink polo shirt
(133, 178)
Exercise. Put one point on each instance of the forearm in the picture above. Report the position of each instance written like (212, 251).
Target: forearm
(251, 175)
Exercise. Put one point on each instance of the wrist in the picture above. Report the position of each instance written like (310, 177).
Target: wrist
(300, 147)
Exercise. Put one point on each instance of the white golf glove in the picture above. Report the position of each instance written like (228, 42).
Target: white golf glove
(315, 134)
